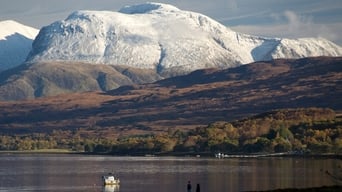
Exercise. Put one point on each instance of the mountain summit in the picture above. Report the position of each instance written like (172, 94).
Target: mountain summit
(15, 43)
(163, 38)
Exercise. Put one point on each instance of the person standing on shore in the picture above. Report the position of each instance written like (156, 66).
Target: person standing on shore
(189, 186)
(198, 189)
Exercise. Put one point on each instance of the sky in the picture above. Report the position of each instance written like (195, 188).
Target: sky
(268, 18)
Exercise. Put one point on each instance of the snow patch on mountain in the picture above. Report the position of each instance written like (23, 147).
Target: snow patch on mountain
(305, 47)
(148, 8)
(162, 37)
(15, 43)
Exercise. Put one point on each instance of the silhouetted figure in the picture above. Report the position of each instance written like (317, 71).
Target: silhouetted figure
(189, 186)
(198, 188)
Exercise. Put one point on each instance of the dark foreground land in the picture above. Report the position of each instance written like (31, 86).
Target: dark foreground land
(324, 189)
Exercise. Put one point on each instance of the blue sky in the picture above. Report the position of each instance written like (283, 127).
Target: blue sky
(270, 18)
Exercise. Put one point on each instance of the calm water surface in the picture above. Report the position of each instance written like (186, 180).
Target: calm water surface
(42, 172)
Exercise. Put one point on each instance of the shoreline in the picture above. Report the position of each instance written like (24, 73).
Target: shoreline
(44, 151)
(177, 154)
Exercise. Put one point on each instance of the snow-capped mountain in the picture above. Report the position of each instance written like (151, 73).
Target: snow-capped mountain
(15, 43)
(162, 37)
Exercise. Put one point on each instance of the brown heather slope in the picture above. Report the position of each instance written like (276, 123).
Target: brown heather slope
(185, 102)
(35, 80)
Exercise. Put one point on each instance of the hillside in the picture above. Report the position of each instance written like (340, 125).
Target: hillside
(184, 102)
(54, 78)
(300, 131)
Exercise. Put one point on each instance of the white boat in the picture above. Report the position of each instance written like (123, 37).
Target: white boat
(110, 180)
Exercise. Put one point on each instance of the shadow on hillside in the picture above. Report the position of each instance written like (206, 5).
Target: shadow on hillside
(15, 49)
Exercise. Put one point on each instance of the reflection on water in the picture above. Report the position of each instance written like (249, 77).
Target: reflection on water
(30, 172)
(111, 188)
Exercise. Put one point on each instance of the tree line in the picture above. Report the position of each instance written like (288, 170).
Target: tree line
(309, 130)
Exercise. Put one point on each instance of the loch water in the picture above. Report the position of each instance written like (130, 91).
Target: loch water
(69, 172)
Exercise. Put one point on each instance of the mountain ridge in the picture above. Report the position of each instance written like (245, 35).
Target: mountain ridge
(164, 38)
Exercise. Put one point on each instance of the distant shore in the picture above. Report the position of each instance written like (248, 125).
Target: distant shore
(176, 154)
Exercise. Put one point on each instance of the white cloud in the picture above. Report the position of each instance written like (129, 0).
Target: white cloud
(327, 31)
(288, 24)
(301, 26)
(297, 25)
